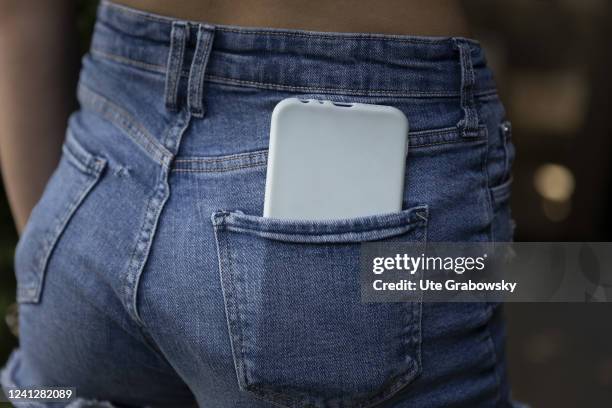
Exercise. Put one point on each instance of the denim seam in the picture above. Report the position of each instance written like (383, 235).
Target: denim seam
(339, 91)
(311, 238)
(126, 122)
(297, 88)
(489, 210)
(506, 130)
(500, 197)
(243, 364)
(231, 309)
(154, 208)
(502, 191)
(141, 249)
(160, 69)
(450, 142)
(419, 133)
(495, 365)
(174, 134)
(482, 130)
(349, 229)
(337, 36)
(420, 334)
(408, 219)
(236, 156)
(83, 160)
(492, 95)
(247, 166)
(416, 330)
(426, 136)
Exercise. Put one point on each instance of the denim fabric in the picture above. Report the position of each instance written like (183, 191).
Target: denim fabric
(147, 276)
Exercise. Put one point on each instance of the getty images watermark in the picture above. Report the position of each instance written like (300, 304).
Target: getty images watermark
(474, 272)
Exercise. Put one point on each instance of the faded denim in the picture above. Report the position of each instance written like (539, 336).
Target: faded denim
(147, 276)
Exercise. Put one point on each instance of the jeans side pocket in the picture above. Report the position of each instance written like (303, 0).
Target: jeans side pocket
(500, 171)
(509, 152)
(300, 335)
(76, 174)
(502, 224)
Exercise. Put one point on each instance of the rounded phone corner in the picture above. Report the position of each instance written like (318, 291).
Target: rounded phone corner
(285, 105)
(399, 114)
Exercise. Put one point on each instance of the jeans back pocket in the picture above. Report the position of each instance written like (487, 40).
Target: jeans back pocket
(300, 334)
(76, 174)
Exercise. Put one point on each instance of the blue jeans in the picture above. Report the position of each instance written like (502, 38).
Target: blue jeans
(147, 276)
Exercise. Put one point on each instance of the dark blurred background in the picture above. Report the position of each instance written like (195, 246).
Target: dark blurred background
(553, 63)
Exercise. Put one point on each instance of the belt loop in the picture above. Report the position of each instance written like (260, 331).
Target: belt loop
(469, 124)
(178, 40)
(198, 68)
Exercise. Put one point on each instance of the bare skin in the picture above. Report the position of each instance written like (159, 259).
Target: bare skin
(410, 17)
(38, 67)
(38, 64)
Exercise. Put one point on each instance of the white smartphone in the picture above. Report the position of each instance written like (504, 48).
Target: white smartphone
(330, 160)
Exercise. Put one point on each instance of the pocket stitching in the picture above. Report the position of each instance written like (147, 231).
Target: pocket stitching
(237, 221)
(232, 319)
(412, 343)
(89, 165)
(506, 129)
(502, 191)
(79, 157)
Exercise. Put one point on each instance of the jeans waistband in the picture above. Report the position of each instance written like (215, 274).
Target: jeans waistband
(294, 60)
